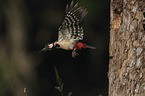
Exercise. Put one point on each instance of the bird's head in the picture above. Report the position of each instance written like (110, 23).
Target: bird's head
(49, 46)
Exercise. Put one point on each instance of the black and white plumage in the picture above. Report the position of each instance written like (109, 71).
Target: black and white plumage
(71, 27)
(71, 30)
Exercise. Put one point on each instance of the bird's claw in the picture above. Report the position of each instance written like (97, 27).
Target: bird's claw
(74, 53)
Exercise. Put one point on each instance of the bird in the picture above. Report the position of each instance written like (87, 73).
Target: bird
(70, 32)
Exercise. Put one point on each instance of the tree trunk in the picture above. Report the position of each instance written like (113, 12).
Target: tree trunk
(127, 49)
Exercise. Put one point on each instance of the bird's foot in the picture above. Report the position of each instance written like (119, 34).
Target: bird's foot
(74, 53)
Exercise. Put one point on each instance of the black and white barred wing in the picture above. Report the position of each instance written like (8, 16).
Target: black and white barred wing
(71, 27)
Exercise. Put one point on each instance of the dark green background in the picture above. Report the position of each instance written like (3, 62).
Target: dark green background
(85, 75)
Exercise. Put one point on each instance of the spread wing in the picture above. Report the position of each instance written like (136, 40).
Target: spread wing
(71, 27)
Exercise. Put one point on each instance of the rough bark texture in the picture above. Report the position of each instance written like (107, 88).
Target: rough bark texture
(127, 49)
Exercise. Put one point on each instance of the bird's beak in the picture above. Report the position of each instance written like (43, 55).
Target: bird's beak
(43, 50)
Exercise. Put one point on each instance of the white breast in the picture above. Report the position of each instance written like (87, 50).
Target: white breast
(66, 44)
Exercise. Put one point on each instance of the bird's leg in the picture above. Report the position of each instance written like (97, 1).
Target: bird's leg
(74, 53)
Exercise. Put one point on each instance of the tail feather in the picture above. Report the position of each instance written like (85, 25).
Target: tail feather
(91, 47)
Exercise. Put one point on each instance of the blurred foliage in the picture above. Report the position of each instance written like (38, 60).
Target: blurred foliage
(27, 25)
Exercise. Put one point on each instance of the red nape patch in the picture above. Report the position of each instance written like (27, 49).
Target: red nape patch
(80, 45)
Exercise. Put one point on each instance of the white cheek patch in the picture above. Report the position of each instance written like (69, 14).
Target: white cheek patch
(50, 45)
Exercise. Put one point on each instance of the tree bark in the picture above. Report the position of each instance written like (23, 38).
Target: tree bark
(127, 48)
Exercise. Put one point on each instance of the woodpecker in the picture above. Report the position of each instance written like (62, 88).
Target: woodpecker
(70, 33)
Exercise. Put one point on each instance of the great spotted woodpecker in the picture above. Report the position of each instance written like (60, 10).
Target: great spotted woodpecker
(70, 33)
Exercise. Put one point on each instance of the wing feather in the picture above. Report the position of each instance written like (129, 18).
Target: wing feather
(71, 27)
